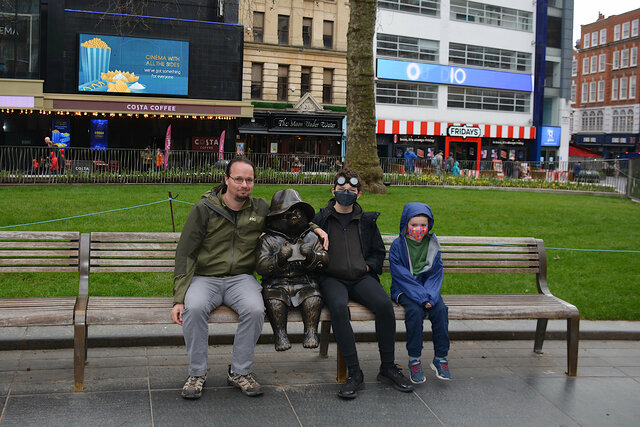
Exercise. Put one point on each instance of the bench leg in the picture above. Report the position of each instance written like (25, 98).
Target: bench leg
(325, 329)
(342, 368)
(79, 356)
(541, 331)
(573, 332)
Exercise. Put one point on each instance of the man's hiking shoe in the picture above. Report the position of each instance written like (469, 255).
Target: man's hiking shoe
(193, 387)
(441, 368)
(394, 377)
(349, 389)
(416, 373)
(246, 383)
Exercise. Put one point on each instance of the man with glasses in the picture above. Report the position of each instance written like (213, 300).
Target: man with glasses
(215, 262)
(356, 255)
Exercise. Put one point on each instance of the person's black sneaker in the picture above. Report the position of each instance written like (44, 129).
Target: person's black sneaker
(349, 389)
(393, 376)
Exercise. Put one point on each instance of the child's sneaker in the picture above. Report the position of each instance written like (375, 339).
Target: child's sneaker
(416, 373)
(441, 368)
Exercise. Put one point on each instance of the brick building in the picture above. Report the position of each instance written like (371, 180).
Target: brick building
(605, 85)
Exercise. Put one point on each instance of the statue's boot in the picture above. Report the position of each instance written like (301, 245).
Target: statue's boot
(277, 314)
(310, 310)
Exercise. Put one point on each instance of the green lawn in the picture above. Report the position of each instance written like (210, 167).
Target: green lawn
(604, 285)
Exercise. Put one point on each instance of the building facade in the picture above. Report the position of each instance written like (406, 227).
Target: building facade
(458, 76)
(605, 94)
(120, 72)
(295, 75)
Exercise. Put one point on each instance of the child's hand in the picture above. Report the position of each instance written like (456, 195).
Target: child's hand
(428, 305)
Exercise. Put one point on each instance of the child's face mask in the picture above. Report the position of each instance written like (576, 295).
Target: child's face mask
(417, 233)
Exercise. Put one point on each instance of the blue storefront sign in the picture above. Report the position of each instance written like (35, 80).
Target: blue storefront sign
(132, 65)
(98, 134)
(550, 136)
(446, 74)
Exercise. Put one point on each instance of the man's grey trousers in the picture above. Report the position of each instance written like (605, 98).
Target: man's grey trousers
(241, 293)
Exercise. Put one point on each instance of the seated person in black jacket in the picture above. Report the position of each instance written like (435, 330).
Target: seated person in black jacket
(356, 254)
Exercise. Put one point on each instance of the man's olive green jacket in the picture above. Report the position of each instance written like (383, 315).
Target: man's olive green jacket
(217, 241)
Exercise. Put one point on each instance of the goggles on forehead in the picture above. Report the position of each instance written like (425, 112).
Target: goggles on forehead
(353, 181)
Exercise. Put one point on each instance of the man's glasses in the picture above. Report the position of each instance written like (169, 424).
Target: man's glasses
(239, 180)
(343, 180)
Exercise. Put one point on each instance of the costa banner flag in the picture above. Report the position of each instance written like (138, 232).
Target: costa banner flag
(167, 147)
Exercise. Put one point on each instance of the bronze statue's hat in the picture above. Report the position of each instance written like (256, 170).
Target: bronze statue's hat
(284, 200)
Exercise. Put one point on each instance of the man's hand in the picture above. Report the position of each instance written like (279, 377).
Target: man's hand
(428, 305)
(324, 238)
(176, 313)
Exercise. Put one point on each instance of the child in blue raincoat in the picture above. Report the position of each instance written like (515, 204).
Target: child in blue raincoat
(455, 170)
(415, 262)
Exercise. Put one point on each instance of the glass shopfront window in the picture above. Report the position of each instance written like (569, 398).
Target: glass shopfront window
(20, 39)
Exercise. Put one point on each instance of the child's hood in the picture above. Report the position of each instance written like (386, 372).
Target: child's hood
(412, 209)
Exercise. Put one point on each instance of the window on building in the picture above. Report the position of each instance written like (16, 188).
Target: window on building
(389, 92)
(283, 82)
(258, 26)
(623, 88)
(616, 121)
(601, 91)
(633, 58)
(629, 121)
(283, 29)
(423, 7)
(554, 32)
(585, 41)
(487, 57)
(616, 59)
(594, 64)
(614, 89)
(574, 67)
(603, 36)
(574, 90)
(256, 80)
(632, 87)
(599, 121)
(616, 33)
(622, 121)
(306, 31)
(624, 58)
(634, 28)
(327, 86)
(394, 46)
(487, 14)
(305, 80)
(594, 38)
(625, 30)
(592, 92)
(602, 64)
(327, 35)
(584, 94)
(585, 65)
(592, 120)
(488, 99)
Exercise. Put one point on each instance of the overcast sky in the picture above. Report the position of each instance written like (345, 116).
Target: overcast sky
(586, 11)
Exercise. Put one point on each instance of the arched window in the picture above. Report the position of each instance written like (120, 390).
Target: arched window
(585, 119)
(629, 120)
(592, 120)
(616, 121)
(599, 118)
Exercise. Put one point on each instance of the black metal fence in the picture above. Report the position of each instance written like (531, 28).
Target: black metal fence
(81, 165)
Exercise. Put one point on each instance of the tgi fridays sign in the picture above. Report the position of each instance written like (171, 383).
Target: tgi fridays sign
(465, 131)
(204, 143)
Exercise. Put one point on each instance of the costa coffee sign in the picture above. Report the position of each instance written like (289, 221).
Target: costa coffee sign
(204, 143)
(465, 131)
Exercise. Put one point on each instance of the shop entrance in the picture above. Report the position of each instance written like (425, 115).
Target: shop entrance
(466, 151)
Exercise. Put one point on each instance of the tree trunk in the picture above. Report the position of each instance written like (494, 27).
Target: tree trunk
(362, 153)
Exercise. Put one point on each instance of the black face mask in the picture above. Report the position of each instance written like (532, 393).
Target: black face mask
(345, 197)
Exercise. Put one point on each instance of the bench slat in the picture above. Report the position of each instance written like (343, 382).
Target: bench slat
(38, 261)
(137, 262)
(124, 246)
(38, 253)
(38, 269)
(20, 312)
(506, 249)
(34, 244)
(448, 269)
(487, 256)
(134, 237)
(148, 269)
(487, 263)
(39, 235)
(133, 254)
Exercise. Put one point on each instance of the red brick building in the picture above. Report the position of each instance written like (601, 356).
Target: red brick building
(604, 89)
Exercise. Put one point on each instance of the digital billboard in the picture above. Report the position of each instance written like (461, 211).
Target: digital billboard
(450, 75)
(133, 65)
(550, 136)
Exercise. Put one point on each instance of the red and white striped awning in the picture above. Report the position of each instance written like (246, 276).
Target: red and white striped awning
(407, 127)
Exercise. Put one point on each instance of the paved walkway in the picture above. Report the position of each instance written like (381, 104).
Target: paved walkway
(495, 383)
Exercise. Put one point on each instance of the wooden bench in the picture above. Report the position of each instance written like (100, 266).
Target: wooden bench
(38, 252)
(491, 255)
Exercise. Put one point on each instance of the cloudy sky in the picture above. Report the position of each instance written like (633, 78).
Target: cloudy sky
(586, 11)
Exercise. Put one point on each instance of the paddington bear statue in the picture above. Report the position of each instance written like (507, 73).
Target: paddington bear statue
(287, 256)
